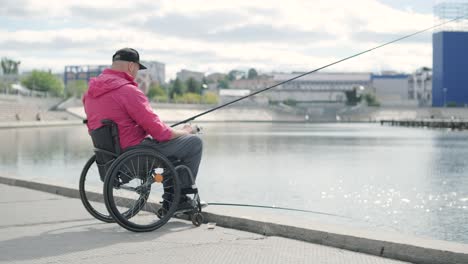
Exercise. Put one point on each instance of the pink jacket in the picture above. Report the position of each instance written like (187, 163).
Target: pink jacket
(115, 95)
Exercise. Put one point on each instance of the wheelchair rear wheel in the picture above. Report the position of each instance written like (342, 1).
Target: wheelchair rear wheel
(91, 191)
(140, 184)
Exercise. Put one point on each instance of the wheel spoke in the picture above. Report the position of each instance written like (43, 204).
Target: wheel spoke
(128, 169)
(135, 205)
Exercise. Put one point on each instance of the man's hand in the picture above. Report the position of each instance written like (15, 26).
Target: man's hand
(189, 129)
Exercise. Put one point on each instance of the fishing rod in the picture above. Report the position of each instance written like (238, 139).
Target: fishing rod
(316, 70)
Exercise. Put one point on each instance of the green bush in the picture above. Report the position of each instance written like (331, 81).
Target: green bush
(76, 88)
(188, 98)
(371, 100)
(44, 82)
(452, 104)
(210, 98)
(160, 99)
(290, 102)
(155, 90)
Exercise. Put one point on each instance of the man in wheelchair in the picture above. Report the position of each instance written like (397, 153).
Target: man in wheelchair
(114, 95)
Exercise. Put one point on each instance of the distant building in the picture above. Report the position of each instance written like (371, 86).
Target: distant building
(252, 84)
(185, 75)
(318, 87)
(228, 95)
(81, 72)
(450, 55)
(155, 73)
(420, 86)
(393, 90)
(215, 77)
(450, 64)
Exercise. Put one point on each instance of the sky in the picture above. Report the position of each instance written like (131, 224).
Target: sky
(218, 36)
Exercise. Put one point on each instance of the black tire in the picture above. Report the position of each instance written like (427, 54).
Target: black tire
(197, 219)
(98, 213)
(136, 201)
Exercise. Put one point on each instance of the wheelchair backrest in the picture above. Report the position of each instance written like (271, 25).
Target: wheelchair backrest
(106, 145)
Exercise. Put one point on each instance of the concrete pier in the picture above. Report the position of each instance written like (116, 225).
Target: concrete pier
(38, 227)
(29, 213)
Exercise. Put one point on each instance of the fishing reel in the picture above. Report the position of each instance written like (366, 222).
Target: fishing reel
(195, 128)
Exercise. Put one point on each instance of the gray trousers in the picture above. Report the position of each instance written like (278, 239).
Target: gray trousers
(186, 148)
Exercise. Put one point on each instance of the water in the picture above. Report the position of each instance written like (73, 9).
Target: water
(412, 181)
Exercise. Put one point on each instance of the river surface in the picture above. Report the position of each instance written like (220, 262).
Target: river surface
(409, 180)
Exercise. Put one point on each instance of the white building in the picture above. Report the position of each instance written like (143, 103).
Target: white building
(184, 75)
(229, 95)
(155, 73)
(318, 87)
(393, 90)
(420, 86)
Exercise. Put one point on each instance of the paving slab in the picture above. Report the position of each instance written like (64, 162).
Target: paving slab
(37, 227)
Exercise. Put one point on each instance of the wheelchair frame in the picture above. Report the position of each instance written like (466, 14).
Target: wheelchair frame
(114, 170)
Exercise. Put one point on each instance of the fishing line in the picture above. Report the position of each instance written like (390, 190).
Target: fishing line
(279, 208)
(316, 70)
(292, 79)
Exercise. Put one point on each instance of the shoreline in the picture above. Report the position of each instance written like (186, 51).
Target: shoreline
(38, 124)
(35, 124)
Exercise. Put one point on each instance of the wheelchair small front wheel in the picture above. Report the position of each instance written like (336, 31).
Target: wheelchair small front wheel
(91, 194)
(197, 219)
(141, 190)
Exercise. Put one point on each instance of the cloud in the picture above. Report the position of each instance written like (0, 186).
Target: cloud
(14, 8)
(190, 26)
(214, 35)
(224, 27)
(378, 37)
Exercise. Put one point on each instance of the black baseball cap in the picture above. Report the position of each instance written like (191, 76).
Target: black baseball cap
(128, 54)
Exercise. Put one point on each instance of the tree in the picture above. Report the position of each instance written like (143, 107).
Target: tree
(76, 88)
(177, 88)
(44, 82)
(352, 97)
(4, 87)
(10, 66)
(223, 84)
(252, 74)
(155, 90)
(371, 100)
(232, 75)
(193, 86)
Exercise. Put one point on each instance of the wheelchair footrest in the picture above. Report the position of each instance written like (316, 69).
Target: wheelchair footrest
(190, 190)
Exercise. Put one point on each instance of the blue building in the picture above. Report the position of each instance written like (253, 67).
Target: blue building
(450, 69)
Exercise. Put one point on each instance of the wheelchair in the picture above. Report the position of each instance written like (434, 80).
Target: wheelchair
(142, 188)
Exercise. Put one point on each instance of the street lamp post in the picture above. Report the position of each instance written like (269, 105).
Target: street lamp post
(204, 87)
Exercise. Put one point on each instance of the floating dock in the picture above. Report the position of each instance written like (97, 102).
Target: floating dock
(432, 123)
